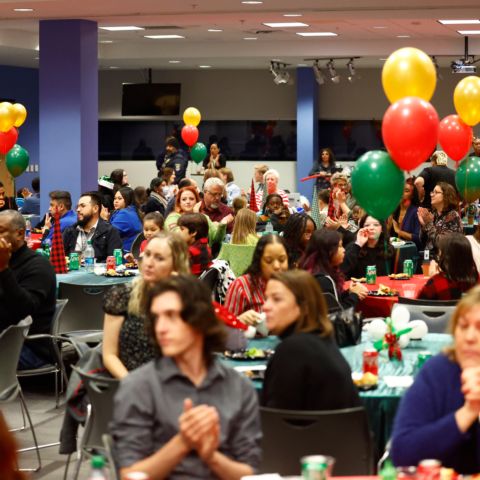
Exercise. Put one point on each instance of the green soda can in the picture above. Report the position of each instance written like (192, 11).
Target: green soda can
(422, 358)
(117, 253)
(371, 275)
(316, 467)
(74, 261)
(408, 267)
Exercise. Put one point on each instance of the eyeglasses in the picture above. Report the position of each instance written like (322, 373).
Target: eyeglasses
(435, 192)
(219, 194)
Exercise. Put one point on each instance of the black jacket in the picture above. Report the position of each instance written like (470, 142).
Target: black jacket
(28, 287)
(346, 299)
(104, 241)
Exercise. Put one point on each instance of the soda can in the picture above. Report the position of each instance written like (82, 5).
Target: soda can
(111, 263)
(117, 253)
(371, 275)
(370, 361)
(422, 358)
(316, 467)
(429, 470)
(74, 261)
(408, 267)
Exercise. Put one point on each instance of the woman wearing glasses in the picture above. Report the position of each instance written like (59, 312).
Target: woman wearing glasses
(444, 218)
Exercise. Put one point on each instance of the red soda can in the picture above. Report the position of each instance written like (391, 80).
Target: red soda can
(111, 263)
(429, 469)
(370, 361)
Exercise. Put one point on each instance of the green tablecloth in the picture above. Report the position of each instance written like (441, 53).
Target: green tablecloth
(81, 277)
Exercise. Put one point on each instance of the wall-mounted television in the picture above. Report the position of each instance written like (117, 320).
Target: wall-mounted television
(157, 99)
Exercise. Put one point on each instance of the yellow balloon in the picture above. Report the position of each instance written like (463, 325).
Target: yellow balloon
(7, 116)
(466, 98)
(409, 72)
(20, 114)
(191, 116)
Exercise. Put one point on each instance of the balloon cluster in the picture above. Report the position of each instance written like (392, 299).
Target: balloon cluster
(191, 118)
(12, 117)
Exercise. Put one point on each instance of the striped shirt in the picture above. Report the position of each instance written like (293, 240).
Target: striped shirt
(259, 198)
(244, 294)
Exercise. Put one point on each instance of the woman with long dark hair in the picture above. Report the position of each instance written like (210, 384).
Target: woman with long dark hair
(157, 200)
(325, 166)
(322, 258)
(119, 178)
(296, 233)
(405, 222)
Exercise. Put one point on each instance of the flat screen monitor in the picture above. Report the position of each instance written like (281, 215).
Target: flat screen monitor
(157, 99)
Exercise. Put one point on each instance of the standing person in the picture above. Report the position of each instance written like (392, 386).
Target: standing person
(105, 238)
(31, 205)
(325, 166)
(233, 190)
(430, 176)
(215, 160)
(259, 172)
(61, 202)
(186, 415)
(174, 158)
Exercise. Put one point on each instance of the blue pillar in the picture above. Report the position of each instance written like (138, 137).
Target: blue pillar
(307, 127)
(68, 100)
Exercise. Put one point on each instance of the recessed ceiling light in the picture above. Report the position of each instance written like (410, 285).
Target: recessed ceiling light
(174, 61)
(317, 34)
(460, 22)
(164, 37)
(469, 32)
(204, 66)
(292, 15)
(125, 28)
(252, 2)
(302, 65)
(105, 41)
(379, 27)
(286, 24)
(23, 9)
(250, 38)
(113, 68)
(37, 58)
(383, 59)
(403, 36)
(214, 30)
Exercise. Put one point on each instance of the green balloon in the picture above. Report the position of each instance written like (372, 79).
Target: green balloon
(377, 184)
(467, 179)
(198, 152)
(17, 160)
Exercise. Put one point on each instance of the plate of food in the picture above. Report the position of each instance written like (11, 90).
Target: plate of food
(114, 273)
(358, 280)
(399, 276)
(256, 372)
(383, 291)
(131, 266)
(249, 354)
(397, 242)
(365, 381)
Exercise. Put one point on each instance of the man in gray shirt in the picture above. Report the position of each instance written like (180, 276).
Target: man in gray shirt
(186, 415)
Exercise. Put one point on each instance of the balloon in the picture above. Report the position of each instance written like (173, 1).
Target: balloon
(7, 116)
(20, 114)
(467, 179)
(409, 72)
(198, 152)
(191, 116)
(17, 160)
(466, 98)
(377, 184)
(8, 139)
(455, 137)
(410, 131)
(190, 135)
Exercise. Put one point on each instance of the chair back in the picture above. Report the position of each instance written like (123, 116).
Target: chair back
(59, 307)
(238, 256)
(135, 249)
(84, 310)
(435, 313)
(109, 451)
(11, 342)
(100, 391)
(209, 278)
(290, 435)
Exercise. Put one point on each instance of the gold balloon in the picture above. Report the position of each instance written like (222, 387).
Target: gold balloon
(466, 98)
(20, 114)
(409, 72)
(7, 116)
(191, 116)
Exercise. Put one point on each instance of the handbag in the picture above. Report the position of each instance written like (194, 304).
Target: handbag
(347, 324)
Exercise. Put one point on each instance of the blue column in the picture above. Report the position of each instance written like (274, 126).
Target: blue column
(68, 100)
(307, 127)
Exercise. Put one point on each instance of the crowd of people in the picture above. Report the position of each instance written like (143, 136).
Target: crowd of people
(179, 410)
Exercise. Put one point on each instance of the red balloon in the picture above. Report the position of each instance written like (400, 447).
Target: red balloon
(410, 131)
(455, 137)
(190, 135)
(8, 140)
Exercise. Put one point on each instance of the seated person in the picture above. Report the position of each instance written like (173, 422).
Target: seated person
(307, 362)
(244, 230)
(297, 232)
(194, 230)
(153, 223)
(233, 190)
(438, 415)
(457, 271)
(105, 238)
(61, 202)
(186, 415)
(271, 179)
(31, 204)
(27, 287)
(6, 203)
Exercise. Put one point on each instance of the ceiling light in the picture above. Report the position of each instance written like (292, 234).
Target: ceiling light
(302, 65)
(37, 48)
(164, 37)
(380, 27)
(403, 36)
(174, 61)
(334, 77)
(252, 2)
(292, 15)
(469, 32)
(214, 30)
(285, 24)
(351, 71)
(204, 66)
(105, 41)
(317, 34)
(23, 9)
(319, 75)
(113, 68)
(126, 28)
(460, 22)
(279, 72)
(250, 38)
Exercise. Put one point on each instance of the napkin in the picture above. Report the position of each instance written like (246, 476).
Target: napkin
(394, 381)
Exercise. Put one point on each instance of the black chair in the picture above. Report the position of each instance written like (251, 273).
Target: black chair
(290, 435)
(210, 278)
(135, 250)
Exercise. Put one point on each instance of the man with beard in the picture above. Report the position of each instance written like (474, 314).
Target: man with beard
(212, 205)
(105, 238)
(174, 158)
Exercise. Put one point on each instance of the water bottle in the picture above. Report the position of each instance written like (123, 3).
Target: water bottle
(89, 256)
(98, 471)
(268, 228)
(28, 231)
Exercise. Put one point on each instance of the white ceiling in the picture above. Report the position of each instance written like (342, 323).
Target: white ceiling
(354, 21)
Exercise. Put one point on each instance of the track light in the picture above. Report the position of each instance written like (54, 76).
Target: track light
(351, 71)
(319, 75)
(334, 77)
(279, 72)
